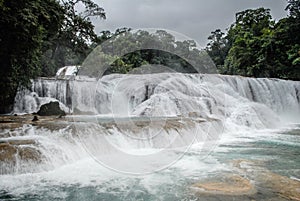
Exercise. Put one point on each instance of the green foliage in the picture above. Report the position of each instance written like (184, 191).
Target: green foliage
(135, 49)
(25, 24)
(249, 35)
(294, 8)
(71, 43)
(294, 54)
(218, 48)
(96, 63)
(257, 46)
(35, 33)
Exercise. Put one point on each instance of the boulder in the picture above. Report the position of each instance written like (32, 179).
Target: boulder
(51, 109)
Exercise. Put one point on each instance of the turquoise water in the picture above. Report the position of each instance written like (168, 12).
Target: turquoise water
(275, 150)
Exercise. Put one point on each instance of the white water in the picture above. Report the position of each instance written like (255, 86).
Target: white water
(211, 109)
(170, 94)
(85, 179)
(226, 103)
(67, 71)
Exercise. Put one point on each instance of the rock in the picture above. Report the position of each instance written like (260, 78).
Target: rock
(29, 154)
(18, 142)
(9, 124)
(77, 111)
(24, 154)
(9, 152)
(284, 186)
(226, 185)
(194, 114)
(35, 118)
(51, 109)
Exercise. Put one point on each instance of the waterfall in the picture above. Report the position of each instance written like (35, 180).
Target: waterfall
(173, 94)
(120, 115)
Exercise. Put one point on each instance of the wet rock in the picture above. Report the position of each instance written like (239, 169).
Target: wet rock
(51, 109)
(226, 185)
(77, 111)
(281, 185)
(14, 150)
(7, 153)
(18, 158)
(137, 125)
(29, 154)
(35, 118)
(18, 142)
(286, 187)
(194, 114)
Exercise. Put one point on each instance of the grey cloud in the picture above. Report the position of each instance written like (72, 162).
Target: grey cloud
(194, 18)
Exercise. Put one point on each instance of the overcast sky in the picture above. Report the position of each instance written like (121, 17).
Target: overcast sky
(193, 18)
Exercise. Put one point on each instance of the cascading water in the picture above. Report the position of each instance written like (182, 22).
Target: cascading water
(172, 94)
(165, 115)
(231, 102)
(89, 95)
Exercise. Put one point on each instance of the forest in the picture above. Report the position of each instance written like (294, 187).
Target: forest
(37, 37)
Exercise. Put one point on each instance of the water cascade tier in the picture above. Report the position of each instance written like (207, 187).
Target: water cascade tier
(120, 116)
(168, 94)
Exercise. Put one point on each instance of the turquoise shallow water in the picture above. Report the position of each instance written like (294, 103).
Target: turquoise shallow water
(280, 150)
(275, 150)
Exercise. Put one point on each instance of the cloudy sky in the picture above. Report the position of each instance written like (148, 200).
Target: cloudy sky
(193, 18)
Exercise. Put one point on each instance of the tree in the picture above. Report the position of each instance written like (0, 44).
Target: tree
(292, 30)
(71, 43)
(259, 47)
(25, 24)
(36, 33)
(294, 8)
(218, 48)
(135, 49)
(249, 35)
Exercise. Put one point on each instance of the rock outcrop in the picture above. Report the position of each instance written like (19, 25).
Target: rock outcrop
(51, 109)
(13, 152)
(227, 185)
